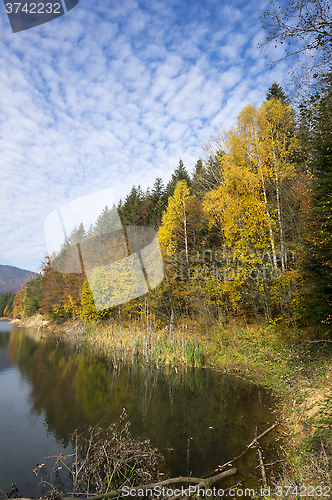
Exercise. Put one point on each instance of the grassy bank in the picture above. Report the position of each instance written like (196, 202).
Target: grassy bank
(298, 370)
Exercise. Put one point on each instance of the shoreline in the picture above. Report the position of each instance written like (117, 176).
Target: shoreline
(289, 368)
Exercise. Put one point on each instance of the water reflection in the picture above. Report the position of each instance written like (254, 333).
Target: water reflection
(198, 419)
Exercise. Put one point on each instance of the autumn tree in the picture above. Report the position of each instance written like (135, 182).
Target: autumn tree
(248, 207)
(59, 292)
(18, 304)
(177, 232)
(88, 308)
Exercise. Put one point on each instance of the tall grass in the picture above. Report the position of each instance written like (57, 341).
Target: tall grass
(138, 340)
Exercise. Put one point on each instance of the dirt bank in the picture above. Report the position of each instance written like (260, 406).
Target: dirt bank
(37, 321)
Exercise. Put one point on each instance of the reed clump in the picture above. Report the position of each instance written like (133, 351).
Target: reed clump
(139, 340)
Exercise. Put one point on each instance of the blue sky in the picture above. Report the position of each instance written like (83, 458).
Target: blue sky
(113, 94)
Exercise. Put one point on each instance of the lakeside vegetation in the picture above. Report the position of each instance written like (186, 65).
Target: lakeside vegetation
(298, 370)
(247, 247)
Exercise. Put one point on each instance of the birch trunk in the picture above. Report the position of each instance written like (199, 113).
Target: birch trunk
(274, 256)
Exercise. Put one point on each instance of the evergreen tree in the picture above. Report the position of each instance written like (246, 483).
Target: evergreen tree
(318, 260)
(158, 203)
(107, 221)
(131, 209)
(213, 174)
(197, 177)
(158, 189)
(33, 296)
(276, 92)
(179, 174)
(77, 235)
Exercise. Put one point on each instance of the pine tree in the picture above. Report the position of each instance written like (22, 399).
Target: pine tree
(33, 296)
(318, 242)
(158, 189)
(131, 209)
(213, 174)
(77, 235)
(179, 174)
(198, 178)
(276, 92)
(158, 203)
(107, 221)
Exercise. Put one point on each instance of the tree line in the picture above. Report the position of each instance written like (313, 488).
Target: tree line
(248, 233)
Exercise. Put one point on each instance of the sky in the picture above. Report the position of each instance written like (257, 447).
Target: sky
(113, 94)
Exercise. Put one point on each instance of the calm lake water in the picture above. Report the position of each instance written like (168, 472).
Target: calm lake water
(198, 419)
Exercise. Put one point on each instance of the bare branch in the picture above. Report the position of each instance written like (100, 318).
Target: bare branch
(304, 26)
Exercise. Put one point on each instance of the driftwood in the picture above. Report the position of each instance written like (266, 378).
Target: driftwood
(201, 484)
(205, 483)
(262, 468)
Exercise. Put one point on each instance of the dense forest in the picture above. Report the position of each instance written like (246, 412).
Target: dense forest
(6, 303)
(247, 234)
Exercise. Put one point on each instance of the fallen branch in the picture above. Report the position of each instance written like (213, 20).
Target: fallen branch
(207, 482)
(313, 341)
(202, 482)
(262, 468)
(174, 480)
(272, 463)
(255, 440)
(214, 479)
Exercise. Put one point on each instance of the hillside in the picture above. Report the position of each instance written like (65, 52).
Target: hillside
(11, 278)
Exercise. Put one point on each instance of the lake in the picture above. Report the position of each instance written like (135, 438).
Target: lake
(198, 418)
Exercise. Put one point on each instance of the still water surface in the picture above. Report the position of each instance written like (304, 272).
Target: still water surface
(198, 419)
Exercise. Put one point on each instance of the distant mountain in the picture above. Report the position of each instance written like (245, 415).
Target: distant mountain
(11, 278)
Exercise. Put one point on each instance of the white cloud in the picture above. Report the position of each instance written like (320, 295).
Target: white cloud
(114, 95)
